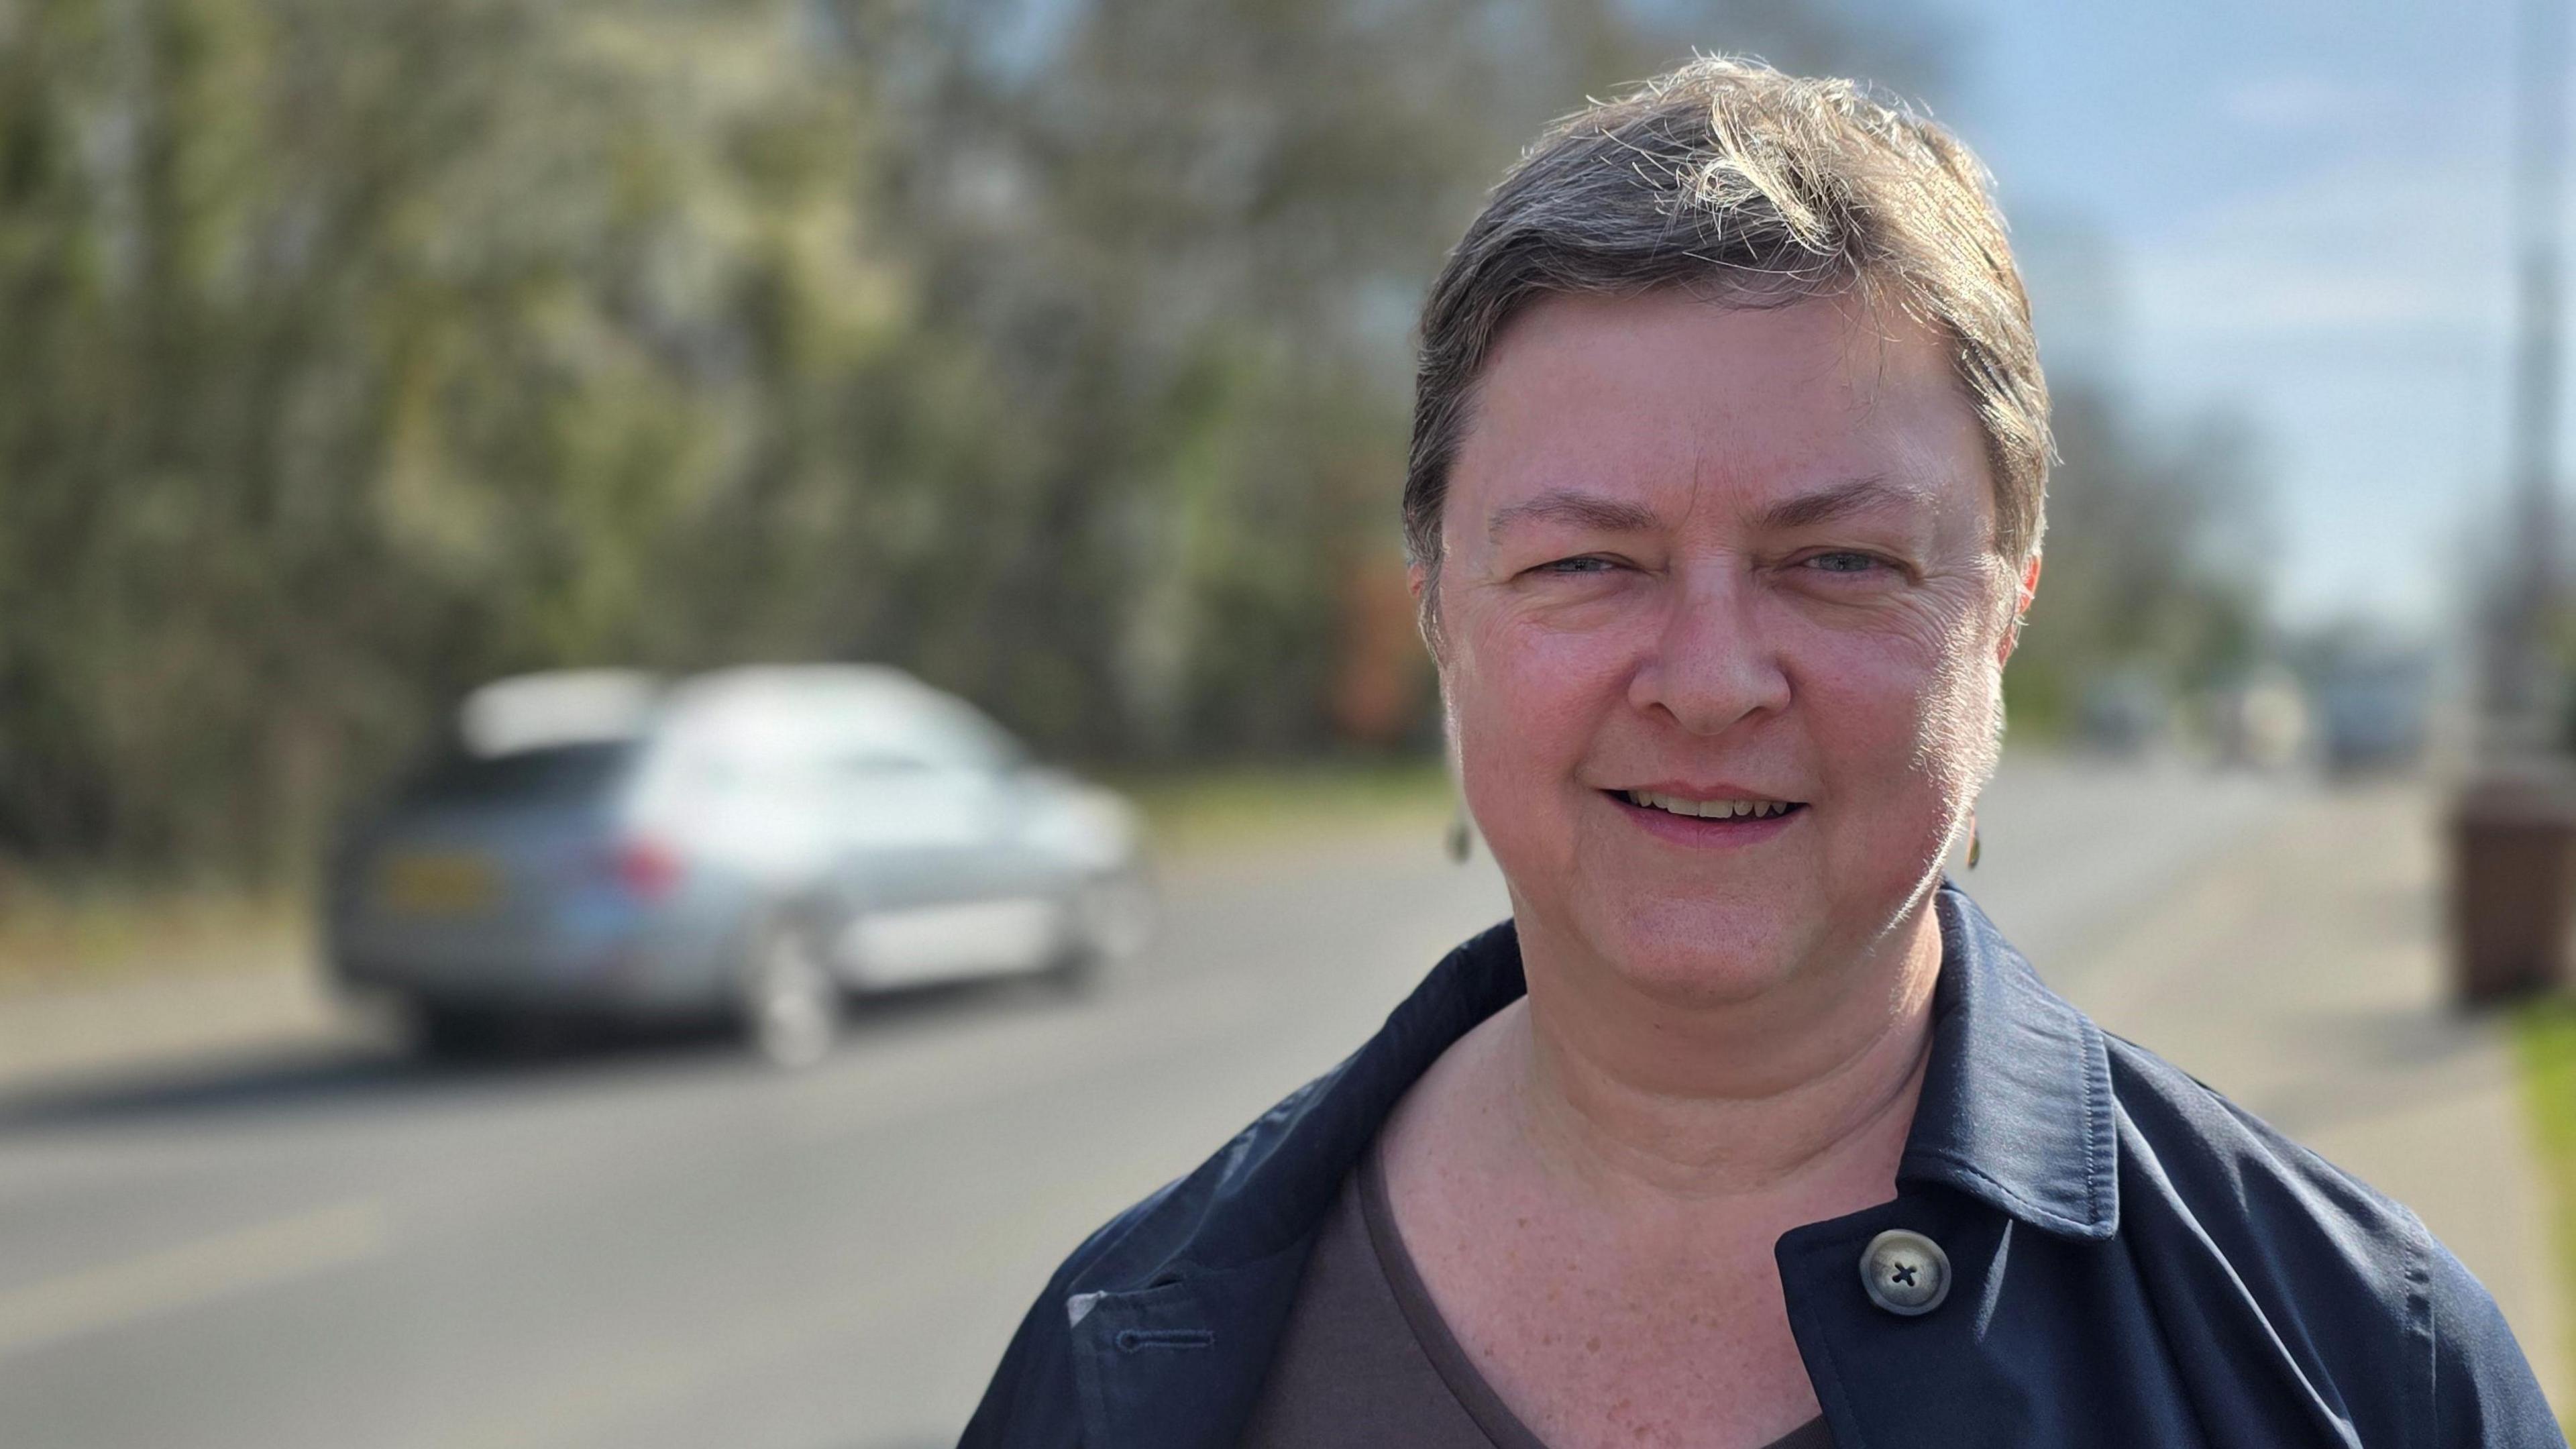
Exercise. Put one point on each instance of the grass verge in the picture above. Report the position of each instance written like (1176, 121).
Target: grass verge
(2546, 1043)
(54, 936)
(1235, 808)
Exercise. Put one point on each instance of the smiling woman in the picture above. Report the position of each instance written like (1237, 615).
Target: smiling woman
(1748, 1128)
(1785, 589)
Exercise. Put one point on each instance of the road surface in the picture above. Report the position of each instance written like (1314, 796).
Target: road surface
(670, 1247)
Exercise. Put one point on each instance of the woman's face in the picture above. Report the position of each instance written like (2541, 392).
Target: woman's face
(1696, 556)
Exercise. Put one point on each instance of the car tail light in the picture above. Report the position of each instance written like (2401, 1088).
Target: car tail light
(646, 869)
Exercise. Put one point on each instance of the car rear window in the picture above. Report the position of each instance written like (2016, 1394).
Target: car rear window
(556, 774)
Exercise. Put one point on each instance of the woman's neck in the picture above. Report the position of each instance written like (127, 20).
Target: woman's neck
(1806, 1088)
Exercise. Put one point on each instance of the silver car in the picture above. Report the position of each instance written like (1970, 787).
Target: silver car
(755, 842)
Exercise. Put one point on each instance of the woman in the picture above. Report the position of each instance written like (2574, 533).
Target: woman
(1748, 1129)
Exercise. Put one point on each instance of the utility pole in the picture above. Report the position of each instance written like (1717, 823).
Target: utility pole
(2523, 694)
(2513, 864)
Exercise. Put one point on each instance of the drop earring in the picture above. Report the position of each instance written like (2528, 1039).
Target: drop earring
(1976, 843)
(1460, 837)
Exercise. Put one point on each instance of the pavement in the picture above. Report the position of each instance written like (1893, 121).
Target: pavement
(232, 1195)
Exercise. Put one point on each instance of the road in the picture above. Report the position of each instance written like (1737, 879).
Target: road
(332, 1247)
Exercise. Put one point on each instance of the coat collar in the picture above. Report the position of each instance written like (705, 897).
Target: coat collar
(2016, 1106)
(2015, 1113)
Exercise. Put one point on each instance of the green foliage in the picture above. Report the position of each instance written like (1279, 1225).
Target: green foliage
(363, 352)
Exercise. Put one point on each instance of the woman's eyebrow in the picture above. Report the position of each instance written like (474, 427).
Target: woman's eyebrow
(1839, 500)
(1583, 510)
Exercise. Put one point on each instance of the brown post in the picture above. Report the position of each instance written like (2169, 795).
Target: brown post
(2513, 886)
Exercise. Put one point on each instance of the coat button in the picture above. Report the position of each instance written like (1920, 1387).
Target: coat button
(1905, 1272)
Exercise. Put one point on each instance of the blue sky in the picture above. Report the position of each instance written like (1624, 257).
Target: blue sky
(2304, 215)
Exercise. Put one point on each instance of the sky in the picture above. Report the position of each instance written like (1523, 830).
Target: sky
(2295, 210)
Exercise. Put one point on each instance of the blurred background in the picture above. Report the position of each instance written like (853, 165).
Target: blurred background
(560, 556)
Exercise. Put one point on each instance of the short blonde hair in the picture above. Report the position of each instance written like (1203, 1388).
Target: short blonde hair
(1749, 188)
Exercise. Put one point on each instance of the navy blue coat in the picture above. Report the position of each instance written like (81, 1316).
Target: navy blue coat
(2135, 1260)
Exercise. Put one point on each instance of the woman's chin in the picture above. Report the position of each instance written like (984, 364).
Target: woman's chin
(1693, 954)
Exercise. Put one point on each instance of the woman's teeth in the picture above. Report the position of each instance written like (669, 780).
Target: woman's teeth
(1709, 809)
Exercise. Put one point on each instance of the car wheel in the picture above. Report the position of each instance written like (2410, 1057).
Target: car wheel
(791, 1005)
(457, 1033)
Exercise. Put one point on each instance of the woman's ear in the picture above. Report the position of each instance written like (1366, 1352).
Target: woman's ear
(2023, 591)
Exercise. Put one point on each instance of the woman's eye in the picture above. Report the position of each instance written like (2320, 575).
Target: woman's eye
(1588, 564)
(1843, 562)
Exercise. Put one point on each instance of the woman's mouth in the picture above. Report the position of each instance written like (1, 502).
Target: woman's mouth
(1716, 822)
(1727, 809)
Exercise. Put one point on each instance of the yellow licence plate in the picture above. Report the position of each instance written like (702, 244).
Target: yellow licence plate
(441, 883)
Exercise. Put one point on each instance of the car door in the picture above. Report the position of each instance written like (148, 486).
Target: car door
(932, 890)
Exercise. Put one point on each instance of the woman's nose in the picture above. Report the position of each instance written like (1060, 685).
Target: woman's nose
(1711, 664)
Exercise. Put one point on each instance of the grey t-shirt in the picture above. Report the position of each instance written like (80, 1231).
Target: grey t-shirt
(1366, 1360)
